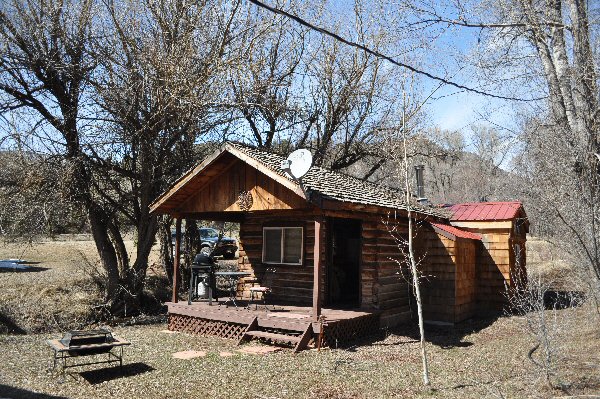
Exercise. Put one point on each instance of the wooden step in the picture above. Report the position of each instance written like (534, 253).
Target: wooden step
(273, 336)
(283, 323)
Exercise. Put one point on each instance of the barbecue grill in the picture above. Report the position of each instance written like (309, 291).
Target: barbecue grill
(203, 280)
(86, 343)
(82, 342)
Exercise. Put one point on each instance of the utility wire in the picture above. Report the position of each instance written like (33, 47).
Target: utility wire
(383, 56)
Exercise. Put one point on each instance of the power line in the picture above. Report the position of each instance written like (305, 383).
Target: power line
(383, 56)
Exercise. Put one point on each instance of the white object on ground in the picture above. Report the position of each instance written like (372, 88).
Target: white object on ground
(14, 264)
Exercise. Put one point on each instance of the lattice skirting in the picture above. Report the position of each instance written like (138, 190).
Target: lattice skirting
(343, 332)
(205, 327)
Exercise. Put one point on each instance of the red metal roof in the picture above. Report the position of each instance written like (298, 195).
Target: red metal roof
(484, 210)
(456, 231)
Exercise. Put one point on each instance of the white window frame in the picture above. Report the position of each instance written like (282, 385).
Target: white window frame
(282, 228)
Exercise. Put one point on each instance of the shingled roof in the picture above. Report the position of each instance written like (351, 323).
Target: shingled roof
(327, 183)
(338, 186)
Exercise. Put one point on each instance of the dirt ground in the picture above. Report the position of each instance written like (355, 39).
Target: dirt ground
(478, 358)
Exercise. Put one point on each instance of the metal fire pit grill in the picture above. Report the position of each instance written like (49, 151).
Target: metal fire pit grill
(79, 343)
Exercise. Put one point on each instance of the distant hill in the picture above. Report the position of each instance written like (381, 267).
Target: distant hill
(451, 174)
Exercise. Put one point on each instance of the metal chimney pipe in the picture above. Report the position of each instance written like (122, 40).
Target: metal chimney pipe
(420, 183)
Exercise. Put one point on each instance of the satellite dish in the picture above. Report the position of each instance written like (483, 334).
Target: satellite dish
(297, 163)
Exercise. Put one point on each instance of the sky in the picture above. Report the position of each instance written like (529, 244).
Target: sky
(450, 108)
(455, 111)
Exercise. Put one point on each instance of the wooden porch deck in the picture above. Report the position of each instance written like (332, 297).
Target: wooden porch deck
(337, 326)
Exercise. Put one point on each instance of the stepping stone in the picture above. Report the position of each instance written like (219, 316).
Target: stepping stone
(259, 350)
(186, 355)
(168, 332)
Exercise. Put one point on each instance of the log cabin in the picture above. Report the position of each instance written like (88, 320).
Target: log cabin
(330, 247)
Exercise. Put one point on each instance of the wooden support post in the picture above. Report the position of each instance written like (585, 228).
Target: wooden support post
(176, 259)
(316, 308)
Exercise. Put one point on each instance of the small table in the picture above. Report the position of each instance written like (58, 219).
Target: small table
(232, 279)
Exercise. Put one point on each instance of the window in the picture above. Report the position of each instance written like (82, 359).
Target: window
(282, 245)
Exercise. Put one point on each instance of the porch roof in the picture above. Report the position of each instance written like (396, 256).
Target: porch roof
(318, 183)
(453, 232)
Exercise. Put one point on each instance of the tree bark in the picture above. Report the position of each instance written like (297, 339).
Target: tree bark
(166, 246)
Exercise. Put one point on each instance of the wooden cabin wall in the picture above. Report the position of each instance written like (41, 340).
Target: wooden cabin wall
(449, 292)
(497, 265)
(383, 286)
(465, 304)
(493, 270)
(289, 283)
(438, 290)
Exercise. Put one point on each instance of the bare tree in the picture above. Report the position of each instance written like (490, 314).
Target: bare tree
(30, 204)
(44, 68)
(400, 148)
(126, 86)
(264, 83)
(297, 89)
(350, 106)
(155, 88)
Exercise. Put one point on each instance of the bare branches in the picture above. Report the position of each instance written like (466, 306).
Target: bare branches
(383, 56)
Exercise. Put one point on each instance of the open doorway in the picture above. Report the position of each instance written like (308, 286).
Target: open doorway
(343, 273)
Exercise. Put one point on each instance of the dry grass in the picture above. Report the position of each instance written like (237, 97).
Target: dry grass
(490, 362)
(545, 259)
(61, 294)
(480, 358)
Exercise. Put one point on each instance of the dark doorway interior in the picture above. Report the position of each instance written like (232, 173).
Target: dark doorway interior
(343, 276)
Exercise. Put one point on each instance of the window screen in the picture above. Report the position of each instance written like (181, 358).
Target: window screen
(282, 245)
(272, 246)
(292, 245)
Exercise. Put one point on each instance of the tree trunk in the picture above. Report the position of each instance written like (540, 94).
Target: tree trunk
(166, 246)
(106, 251)
(191, 245)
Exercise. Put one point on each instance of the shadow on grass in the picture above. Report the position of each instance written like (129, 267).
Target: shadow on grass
(12, 392)
(8, 326)
(112, 373)
(556, 299)
(22, 267)
(444, 336)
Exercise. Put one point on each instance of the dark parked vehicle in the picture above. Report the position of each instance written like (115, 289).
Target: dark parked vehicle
(227, 245)
(209, 238)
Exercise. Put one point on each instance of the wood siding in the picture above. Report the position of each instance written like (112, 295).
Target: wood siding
(289, 283)
(497, 265)
(449, 288)
(466, 279)
(222, 192)
(383, 274)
